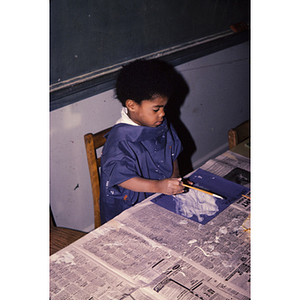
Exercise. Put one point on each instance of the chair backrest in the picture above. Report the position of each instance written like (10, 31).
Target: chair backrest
(92, 143)
(238, 134)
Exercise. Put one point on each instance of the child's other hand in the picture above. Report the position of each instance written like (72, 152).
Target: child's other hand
(170, 186)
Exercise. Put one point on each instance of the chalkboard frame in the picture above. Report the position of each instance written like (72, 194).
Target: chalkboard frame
(88, 85)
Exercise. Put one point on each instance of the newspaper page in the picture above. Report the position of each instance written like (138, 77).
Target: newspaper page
(230, 162)
(145, 258)
(75, 275)
(148, 252)
(109, 263)
(128, 253)
(219, 249)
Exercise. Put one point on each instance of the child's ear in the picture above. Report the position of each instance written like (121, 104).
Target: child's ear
(130, 104)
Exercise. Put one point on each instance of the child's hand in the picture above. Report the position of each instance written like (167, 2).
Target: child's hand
(170, 186)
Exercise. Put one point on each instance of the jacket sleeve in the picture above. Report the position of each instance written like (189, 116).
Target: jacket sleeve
(118, 163)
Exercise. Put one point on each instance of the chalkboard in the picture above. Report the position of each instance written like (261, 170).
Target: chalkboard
(92, 38)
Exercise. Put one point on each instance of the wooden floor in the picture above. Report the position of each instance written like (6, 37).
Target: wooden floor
(61, 237)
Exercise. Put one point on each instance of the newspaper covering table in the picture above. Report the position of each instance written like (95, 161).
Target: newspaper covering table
(148, 252)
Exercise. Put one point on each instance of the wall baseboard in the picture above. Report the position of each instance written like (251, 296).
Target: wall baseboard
(89, 228)
(201, 161)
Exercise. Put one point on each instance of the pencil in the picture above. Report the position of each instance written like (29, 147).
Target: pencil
(203, 191)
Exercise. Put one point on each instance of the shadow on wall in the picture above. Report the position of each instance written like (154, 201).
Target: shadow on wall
(180, 92)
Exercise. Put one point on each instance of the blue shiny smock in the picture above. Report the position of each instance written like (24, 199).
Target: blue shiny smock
(134, 151)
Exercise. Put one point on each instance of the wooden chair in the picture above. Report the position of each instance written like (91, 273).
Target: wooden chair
(92, 143)
(238, 134)
(61, 237)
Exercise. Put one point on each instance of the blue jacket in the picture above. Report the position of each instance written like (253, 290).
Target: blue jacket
(134, 151)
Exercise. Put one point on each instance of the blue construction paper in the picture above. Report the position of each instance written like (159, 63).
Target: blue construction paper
(211, 182)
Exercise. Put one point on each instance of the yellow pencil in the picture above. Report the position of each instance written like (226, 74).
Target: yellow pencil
(203, 191)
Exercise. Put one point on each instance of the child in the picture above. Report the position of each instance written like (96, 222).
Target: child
(139, 157)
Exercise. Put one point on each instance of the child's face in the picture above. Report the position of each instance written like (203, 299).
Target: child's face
(149, 113)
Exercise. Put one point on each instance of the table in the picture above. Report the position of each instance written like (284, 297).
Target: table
(148, 252)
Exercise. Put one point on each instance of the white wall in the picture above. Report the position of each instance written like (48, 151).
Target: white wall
(217, 101)
(219, 98)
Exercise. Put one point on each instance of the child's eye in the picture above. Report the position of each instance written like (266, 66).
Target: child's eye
(156, 110)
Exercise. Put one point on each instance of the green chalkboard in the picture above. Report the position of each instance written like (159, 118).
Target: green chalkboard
(89, 37)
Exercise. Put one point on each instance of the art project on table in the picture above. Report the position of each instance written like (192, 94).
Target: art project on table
(202, 207)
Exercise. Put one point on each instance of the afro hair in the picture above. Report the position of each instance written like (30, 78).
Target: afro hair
(144, 79)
